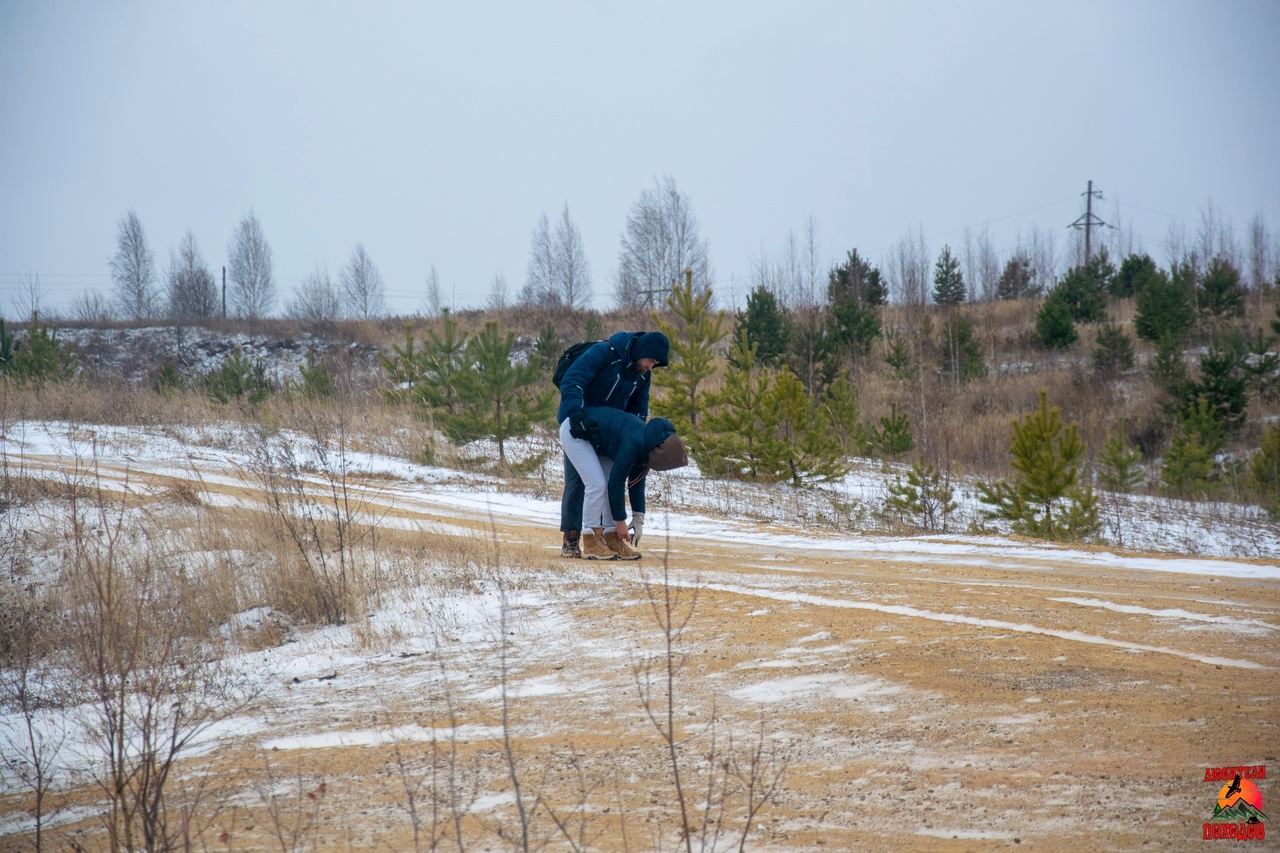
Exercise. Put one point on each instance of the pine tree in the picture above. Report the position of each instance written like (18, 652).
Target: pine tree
(1221, 295)
(444, 360)
(404, 369)
(1169, 373)
(1015, 279)
(766, 326)
(1135, 272)
(547, 347)
(498, 399)
(1264, 471)
(1113, 353)
(1084, 289)
(897, 355)
(858, 278)
(1261, 366)
(852, 328)
(1054, 327)
(960, 352)
(1045, 498)
(693, 341)
(39, 357)
(728, 442)
(844, 415)
(1189, 469)
(892, 437)
(810, 449)
(926, 498)
(239, 378)
(813, 357)
(1223, 385)
(1163, 307)
(1120, 468)
(6, 347)
(1120, 472)
(317, 379)
(948, 281)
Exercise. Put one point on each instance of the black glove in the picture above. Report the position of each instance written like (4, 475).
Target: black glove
(578, 425)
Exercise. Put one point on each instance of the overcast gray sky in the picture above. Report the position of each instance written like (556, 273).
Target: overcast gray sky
(438, 133)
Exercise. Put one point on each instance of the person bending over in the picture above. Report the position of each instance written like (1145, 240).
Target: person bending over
(613, 450)
(615, 374)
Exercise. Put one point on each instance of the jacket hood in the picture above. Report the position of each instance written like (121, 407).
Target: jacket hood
(652, 345)
(657, 431)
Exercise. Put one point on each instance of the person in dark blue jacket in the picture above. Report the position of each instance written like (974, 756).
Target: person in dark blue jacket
(616, 453)
(612, 374)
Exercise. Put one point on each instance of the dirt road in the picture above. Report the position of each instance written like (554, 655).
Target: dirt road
(927, 694)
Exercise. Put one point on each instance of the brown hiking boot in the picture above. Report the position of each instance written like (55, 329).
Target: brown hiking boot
(620, 546)
(593, 547)
(569, 548)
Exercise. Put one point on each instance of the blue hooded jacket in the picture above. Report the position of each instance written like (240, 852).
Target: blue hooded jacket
(605, 375)
(626, 440)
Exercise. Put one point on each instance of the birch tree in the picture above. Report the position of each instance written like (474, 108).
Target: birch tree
(660, 241)
(193, 293)
(253, 289)
(133, 269)
(363, 291)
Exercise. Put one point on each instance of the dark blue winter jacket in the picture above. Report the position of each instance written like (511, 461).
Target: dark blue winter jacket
(605, 375)
(626, 440)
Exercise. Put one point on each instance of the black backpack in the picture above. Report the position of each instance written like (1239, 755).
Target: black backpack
(571, 355)
(567, 358)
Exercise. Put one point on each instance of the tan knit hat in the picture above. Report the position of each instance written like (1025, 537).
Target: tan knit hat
(668, 455)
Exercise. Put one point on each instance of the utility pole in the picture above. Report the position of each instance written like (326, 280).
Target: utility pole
(224, 288)
(1088, 221)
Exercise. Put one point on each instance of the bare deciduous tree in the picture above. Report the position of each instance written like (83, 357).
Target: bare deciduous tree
(362, 287)
(433, 297)
(1259, 252)
(317, 298)
(253, 290)
(1043, 252)
(661, 240)
(193, 292)
(30, 297)
(558, 273)
(573, 269)
(498, 293)
(910, 269)
(540, 279)
(90, 306)
(1216, 238)
(988, 267)
(133, 269)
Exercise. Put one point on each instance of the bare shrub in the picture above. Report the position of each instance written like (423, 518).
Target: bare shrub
(331, 569)
(33, 736)
(146, 669)
(733, 784)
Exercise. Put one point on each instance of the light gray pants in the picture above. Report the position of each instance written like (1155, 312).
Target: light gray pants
(594, 470)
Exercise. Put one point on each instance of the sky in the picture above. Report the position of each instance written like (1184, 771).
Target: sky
(437, 134)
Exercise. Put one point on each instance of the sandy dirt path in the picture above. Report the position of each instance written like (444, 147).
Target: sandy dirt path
(931, 694)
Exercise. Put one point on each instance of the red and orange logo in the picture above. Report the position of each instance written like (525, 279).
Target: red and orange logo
(1238, 814)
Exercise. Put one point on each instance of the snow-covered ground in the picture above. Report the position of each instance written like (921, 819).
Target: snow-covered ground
(350, 673)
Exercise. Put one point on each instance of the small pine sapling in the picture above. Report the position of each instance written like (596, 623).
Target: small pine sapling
(924, 499)
(1046, 497)
(1189, 469)
(892, 437)
(1264, 472)
(845, 416)
(693, 341)
(1113, 352)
